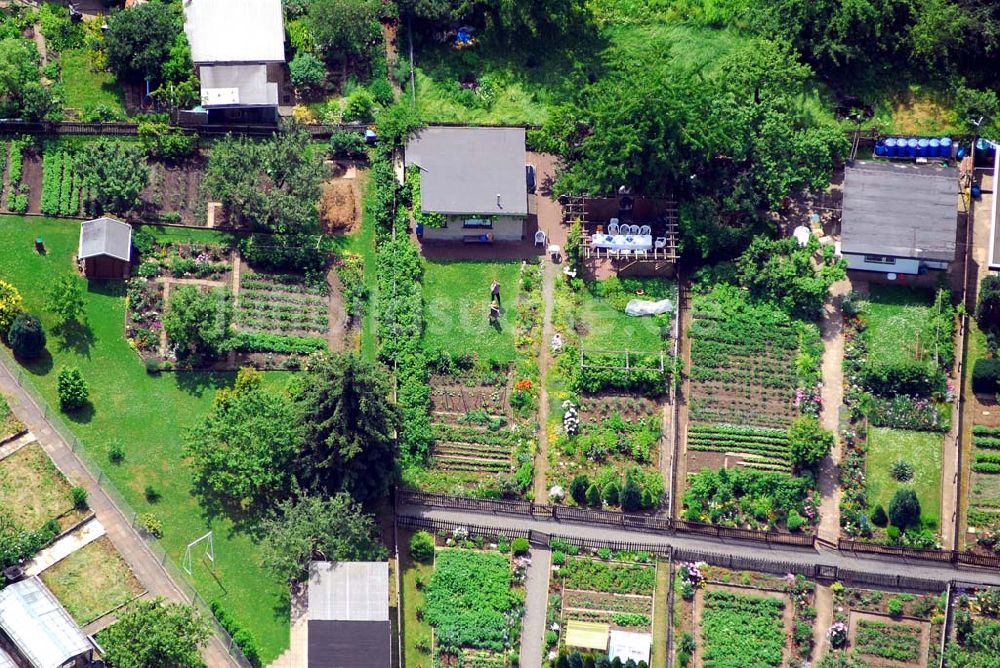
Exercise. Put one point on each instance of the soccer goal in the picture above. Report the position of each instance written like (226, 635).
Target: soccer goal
(187, 563)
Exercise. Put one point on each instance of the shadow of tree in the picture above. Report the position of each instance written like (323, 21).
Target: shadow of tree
(82, 415)
(39, 366)
(196, 383)
(76, 337)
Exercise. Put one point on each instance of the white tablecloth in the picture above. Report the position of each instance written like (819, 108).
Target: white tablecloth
(622, 241)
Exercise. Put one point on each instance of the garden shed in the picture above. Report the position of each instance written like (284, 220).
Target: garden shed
(349, 614)
(105, 248)
(587, 635)
(899, 218)
(39, 629)
(627, 645)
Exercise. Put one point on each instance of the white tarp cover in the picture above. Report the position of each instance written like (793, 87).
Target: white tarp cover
(643, 307)
(635, 646)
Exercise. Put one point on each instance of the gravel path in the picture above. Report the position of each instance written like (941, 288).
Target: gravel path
(823, 603)
(833, 397)
(536, 600)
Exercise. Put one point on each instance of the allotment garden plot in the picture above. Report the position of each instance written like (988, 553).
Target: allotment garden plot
(984, 490)
(598, 599)
(976, 620)
(609, 393)
(731, 619)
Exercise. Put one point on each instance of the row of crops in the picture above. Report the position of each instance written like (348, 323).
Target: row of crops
(739, 631)
(472, 449)
(62, 185)
(17, 190)
(888, 640)
(986, 449)
(282, 305)
(759, 448)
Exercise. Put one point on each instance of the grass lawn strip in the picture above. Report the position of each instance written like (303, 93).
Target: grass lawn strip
(457, 304)
(83, 88)
(9, 424)
(899, 316)
(32, 485)
(92, 581)
(416, 629)
(740, 630)
(147, 415)
(922, 449)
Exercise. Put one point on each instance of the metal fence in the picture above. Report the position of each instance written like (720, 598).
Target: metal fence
(405, 522)
(122, 506)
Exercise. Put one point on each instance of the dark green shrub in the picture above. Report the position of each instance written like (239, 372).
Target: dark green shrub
(116, 452)
(422, 546)
(71, 389)
(520, 546)
(904, 509)
(152, 494)
(26, 336)
(593, 496)
(795, 521)
(578, 489)
(986, 375)
(79, 496)
(631, 495)
(611, 493)
(879, 518)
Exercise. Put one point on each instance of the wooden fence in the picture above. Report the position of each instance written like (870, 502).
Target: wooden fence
(944, 556)
(131, 129)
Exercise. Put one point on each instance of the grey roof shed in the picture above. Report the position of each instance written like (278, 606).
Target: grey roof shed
(349, 614)
(237, 85)
(900, 210)
(105, 236)
(235, 31)
(471, 170)
(39, 626)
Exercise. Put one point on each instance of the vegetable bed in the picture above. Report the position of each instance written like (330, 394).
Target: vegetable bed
(888, 640)
(739, 631)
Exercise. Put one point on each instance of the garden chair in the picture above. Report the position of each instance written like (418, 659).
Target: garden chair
(614, 253)
(645, 229)
(613, 227)
(540, 238)
(633, 229)
(660, 243)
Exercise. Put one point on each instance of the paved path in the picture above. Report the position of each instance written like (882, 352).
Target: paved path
(83, 535)
(544, 359)
(823, 603)
(12, 446)
(891, 566)
(833, 398)
(536, 601)
(133, 549)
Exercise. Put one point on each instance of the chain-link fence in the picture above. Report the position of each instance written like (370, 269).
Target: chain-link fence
(155, 547)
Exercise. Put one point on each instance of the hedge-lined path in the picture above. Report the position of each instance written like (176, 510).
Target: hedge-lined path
(833, 398)
(868, 563)
(133, 549)
(536, 600)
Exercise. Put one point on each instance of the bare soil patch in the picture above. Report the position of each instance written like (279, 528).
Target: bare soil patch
(31, 175)
(338, 206)
(175, 190)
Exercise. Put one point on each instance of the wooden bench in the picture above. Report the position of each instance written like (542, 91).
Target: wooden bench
(477, 239)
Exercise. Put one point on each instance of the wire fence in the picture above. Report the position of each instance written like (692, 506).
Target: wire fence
(107, 486)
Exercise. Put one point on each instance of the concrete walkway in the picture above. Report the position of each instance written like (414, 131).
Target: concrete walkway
(10, 447)
(536, 600)
(891, 566)
(85, 534)
(134, 550)
(833, 398)
(296, 656)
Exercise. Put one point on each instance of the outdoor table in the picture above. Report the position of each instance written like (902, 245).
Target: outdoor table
(622, 241)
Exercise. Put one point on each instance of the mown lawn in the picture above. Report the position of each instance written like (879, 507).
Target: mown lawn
(457, 305)
(415, 631)
(85, 89)
(922, 449)
(609, 328)
(92, 581)
(147, 415)
(897, 317)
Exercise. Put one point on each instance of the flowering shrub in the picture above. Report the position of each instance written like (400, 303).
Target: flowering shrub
(809, 401)
(691, 574)
(905, 412)
(571, 421)
(837, 634)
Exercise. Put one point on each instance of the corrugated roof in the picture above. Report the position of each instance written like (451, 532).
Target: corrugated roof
(237, 85)
(349, 591)
(39, 626)
(235, 31)
(588, 635)
(349, 644)
(471, 170)
(626, 645)
(902, 210)
(105, 236)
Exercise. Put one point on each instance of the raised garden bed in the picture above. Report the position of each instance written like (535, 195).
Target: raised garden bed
(282, 304)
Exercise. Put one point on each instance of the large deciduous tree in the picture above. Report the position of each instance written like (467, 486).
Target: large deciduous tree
(115, 172)
(198, 324)
(139, 40)
(350, 425)
(779, 271)
(808, 442)
(344, 28)
(21, 91)
(333, 529)
(65, 302)
(243, 450)
(156, 634)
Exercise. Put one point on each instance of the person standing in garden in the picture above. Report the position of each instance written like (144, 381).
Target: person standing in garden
(495, 292)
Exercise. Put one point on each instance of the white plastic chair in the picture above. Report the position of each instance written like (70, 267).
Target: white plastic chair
(645, 229)
(614, 253)
(613, 227)
(539, 238)
(634, 229)
(660, 242)
(641, 253)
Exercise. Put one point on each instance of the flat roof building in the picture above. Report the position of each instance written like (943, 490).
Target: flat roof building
(349, 615)
(39, 628)
(899, 218)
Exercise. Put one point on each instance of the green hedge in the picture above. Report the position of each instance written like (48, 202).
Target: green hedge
(986, 375)
(243, 638)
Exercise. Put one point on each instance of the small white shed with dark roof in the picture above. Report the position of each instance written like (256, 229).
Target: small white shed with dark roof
(105, 248)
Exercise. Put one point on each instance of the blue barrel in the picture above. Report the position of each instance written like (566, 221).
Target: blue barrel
(922, 148)
(911, 147)
(890, 147)
(976, 191)
(945, 147)
(880, 150)
(959, 152)
(934, 148)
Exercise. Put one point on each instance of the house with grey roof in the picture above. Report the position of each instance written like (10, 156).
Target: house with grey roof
(899, 218)
(473, 179)
(348, 614)
(37, 631)
(238, 47)
(105, 248)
